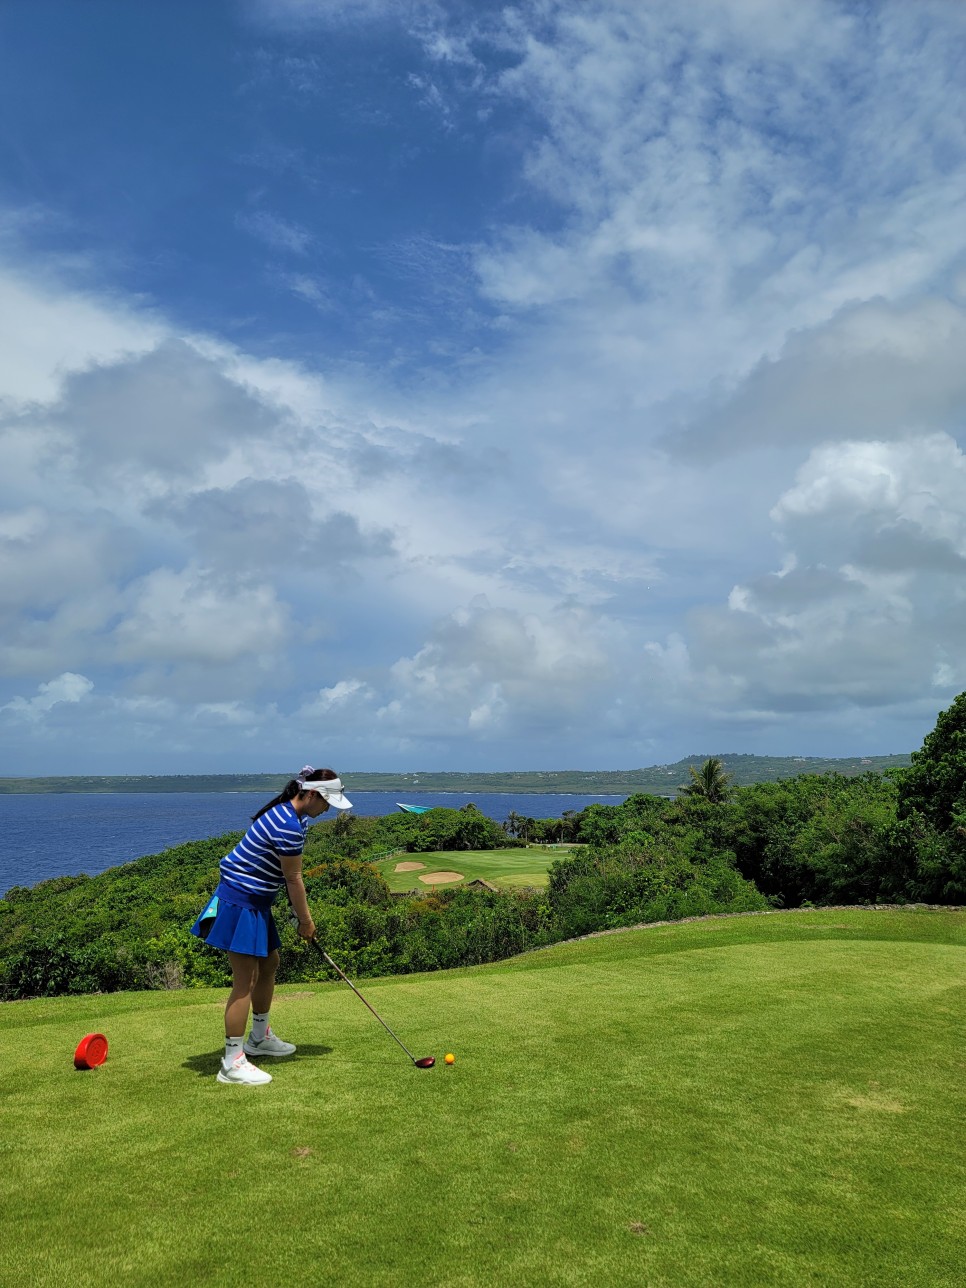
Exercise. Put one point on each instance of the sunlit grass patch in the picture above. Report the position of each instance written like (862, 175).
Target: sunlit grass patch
(761, 1100)
(506, 869)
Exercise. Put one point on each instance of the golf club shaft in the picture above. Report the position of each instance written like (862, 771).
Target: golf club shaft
(343, 975)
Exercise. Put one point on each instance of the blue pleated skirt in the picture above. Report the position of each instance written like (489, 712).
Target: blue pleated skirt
(239, 922)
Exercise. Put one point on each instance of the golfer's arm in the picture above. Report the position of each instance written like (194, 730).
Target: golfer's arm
(292, 872)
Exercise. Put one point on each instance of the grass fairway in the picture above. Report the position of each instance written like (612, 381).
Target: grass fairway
(763, 1100)
(504, 868)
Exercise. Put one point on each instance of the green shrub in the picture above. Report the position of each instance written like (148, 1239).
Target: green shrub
(821, 838)
(345, 881)
(48, 968)
(622, 885)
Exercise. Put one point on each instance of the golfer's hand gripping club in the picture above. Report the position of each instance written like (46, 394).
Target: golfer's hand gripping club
(296, 921)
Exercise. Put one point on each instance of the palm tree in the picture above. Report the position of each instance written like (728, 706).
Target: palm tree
(709, 782)
(571, 825)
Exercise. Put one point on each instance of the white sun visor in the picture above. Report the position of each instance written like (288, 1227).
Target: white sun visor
(330, 788)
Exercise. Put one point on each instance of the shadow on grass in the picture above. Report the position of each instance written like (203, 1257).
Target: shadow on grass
(206, 1065)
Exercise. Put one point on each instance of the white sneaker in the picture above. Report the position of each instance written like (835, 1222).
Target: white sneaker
(242, 1072)
(269, 1045)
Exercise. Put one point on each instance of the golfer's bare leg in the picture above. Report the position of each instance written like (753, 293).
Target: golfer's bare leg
(264, 989)
(244, 973)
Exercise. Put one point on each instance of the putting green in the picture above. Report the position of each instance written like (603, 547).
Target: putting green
(758, 1100)
(513, 869)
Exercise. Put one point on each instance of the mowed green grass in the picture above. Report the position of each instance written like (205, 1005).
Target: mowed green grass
(761, 1100)
(504, 868)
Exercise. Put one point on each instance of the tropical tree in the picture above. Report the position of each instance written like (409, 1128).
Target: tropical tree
(527, 826)
(570, 821)
(932, 807)
(710, 782)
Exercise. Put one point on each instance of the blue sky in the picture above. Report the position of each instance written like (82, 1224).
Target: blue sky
(439, 385)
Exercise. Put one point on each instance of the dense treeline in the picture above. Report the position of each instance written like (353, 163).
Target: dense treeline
(352, 836)
(812, 839)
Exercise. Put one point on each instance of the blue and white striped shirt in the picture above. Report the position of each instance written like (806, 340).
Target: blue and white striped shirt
(255, 862)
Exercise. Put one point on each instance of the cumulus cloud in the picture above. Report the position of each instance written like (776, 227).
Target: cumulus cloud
(48, 558)
(688, 452)
(846, 492)
(68, 687)
(47, 330)
(60, 579)
(169, 411)
(260, 524)
(869, 607)
(339, 706)
(192, 616)
(487, 670)
(875, 369)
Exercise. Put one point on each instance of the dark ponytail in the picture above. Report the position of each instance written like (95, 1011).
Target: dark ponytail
(292, 788)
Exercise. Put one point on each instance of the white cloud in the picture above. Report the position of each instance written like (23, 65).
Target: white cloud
(308, 289)
(269, 524)
(870, 607)
(342, 12)
(230, 714)
(875, 369)
(489, 668)
(23, 525)
(47, 331)
(168, 412)
(719, 186)
(719, 334)
(280, 234)
(342, 702)
(189, 616)
(847, 491)
(69, 688)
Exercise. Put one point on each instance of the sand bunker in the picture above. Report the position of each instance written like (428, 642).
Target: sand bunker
(408, 867)
(441, 878)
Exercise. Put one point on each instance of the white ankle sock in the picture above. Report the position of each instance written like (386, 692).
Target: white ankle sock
(233, 1048)
(259, 1025)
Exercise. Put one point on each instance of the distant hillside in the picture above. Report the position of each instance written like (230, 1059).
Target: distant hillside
(744, 770)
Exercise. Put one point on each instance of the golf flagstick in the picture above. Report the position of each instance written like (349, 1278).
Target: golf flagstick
(426, 1062)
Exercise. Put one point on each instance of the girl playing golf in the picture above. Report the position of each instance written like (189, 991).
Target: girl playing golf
(239, 916)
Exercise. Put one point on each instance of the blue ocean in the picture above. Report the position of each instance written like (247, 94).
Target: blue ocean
(64, 834)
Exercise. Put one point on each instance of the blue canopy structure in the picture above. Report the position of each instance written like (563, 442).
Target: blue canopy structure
(414, 809)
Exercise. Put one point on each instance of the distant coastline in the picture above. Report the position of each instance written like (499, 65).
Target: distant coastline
(744, 770)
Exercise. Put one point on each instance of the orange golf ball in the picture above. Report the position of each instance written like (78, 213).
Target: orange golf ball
(449, 1057)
